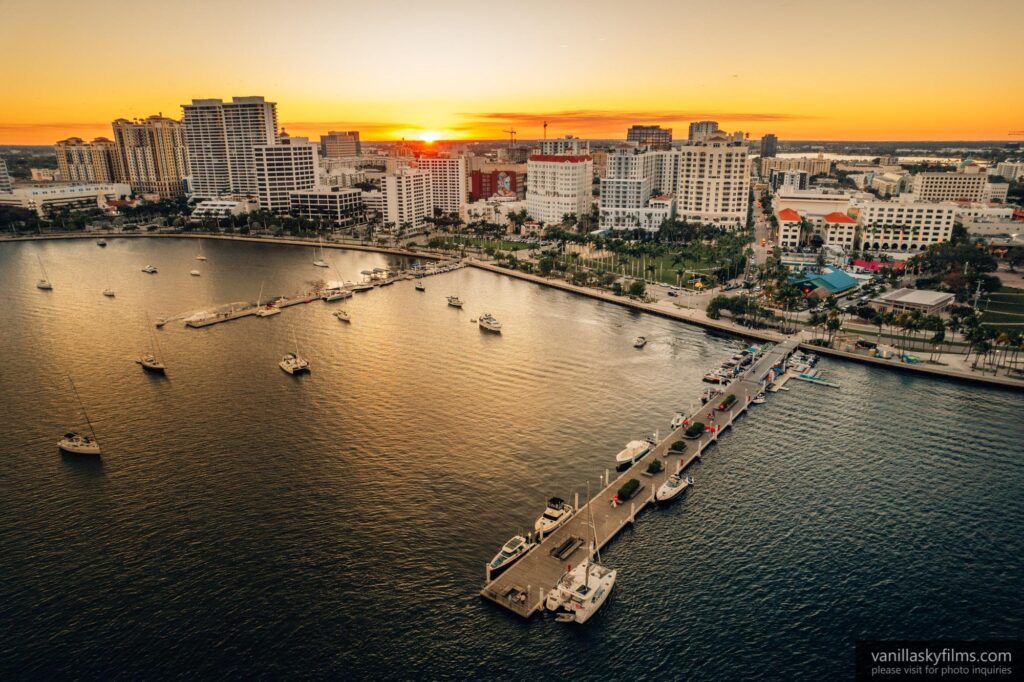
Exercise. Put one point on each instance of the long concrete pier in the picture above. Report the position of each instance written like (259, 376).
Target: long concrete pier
(523, 587)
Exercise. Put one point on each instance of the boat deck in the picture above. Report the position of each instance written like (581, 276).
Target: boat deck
(523, 587)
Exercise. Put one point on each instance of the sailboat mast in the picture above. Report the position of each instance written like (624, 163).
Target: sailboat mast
(42, 267)
(82, 405)
(259, 300)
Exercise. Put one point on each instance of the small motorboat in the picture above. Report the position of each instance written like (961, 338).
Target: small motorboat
(557, 512)
(342, 316)
(44, 284)
(672, 487)
(150, 363)
(78, 444)
(678, 420)
(420, 287)
(160, 322)
(195, 273)
(713, 378)
(149, 270)
(640, 342)
(511, 552)
(108, 292)
(267, 311)
(759, 399)
(101, 242)
(634, 450)
(455, 301)
(293, 363)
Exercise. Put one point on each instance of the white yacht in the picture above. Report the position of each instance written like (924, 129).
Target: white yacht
(364, 286)
(557, 512)
(342, 316)
(759, 399)
(293, 363)
(149, 269)
(332, 295)
(108, 292)
(78, 444)
(634, 450)
(640, 342)
(420, 286)
(160, 322)
(195, 273)
(101, 242)
(673, 486)
(678, 420)
(490, 323)
(200, 256)
(511, 552)
(455, 301)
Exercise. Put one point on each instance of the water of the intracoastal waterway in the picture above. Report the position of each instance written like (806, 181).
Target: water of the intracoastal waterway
(245, 523)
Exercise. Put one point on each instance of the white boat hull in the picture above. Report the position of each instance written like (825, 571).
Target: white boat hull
(79, 448)
(267, 312)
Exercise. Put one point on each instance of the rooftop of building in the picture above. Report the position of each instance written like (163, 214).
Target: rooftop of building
(788, 215)
(832, 280)
(837, 217)
(923, 297)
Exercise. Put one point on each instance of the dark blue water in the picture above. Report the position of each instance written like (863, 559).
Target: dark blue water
(244, 523)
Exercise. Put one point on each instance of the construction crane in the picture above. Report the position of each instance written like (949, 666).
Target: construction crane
(511, 137)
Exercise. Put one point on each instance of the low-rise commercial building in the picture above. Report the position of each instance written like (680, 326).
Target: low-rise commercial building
(336, 205)
(44, 198)
(225, 207)
(913, 300)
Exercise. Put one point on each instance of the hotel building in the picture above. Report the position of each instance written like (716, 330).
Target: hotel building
(406, 198)
(80, 161)
(152, 155)
(282, 168)
(447, 181)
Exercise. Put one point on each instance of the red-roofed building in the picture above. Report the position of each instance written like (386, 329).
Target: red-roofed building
(840, 230)
(789, 228)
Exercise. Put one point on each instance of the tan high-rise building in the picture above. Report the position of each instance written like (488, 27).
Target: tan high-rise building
(339, 145)
(152, 155)
(80, 161)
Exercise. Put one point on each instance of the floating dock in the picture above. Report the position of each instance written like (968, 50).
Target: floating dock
(523, 588)
(309, 297)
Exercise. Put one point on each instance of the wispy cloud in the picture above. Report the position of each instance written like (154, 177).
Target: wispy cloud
(597, 117)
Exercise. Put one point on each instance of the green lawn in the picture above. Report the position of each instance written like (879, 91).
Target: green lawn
(500, 244)
(1005, 306)
(665, 268)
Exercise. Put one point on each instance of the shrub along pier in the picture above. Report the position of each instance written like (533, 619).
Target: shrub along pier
(523, 587)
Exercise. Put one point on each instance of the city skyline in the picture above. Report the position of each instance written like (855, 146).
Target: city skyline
(446, 72)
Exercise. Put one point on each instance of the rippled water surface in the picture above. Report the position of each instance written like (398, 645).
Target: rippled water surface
(243, 522)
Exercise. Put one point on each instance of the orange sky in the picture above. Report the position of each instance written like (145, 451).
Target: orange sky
(458, 69)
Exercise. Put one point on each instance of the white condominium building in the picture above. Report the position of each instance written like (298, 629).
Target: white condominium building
(967, 184)
(406, 198)
(558, 185)
(282, 168)
(221, 137)
(714, 182)
(1011, 170)
(567, 145)
(701, 130)
(80, 161)
(631, 191)
(5, 178)
(447, 181)
(152, 155)
(902, 224)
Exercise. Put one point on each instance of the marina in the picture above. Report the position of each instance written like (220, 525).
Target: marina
(524, 587)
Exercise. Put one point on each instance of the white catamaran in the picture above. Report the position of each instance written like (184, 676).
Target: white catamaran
(582, 590)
